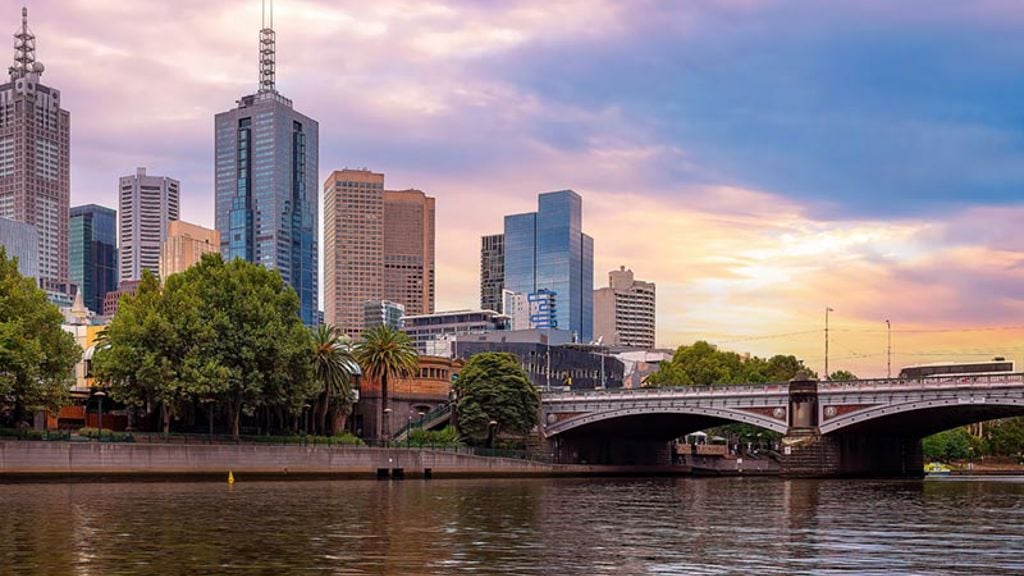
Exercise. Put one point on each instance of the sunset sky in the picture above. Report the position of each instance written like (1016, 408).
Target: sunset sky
(758, 160)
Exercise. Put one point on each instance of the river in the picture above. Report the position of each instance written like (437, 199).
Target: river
(491, 527)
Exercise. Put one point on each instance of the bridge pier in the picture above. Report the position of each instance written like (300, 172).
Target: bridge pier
(816, 455)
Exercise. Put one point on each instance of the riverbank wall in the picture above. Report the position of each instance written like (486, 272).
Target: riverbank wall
(20, 460)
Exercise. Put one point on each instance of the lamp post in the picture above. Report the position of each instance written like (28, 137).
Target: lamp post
(491, 428)
(100, 394)
(827, 310)
(209, 415)
(888, 351)
(386, 427)
(305, 418)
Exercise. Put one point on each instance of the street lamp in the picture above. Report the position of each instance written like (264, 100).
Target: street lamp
(101, 395)
(386, 427)
(305, 419)
(491, 428)
(209, 414)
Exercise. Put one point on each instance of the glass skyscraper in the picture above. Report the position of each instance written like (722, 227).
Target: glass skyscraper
(267, 161)
(93, 248)
(548, 251)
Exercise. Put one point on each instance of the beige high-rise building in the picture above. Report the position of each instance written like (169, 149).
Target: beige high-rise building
(353, 246)
(184, 247)
(409, 250)
(148, 205)
(624, 311)
(378, 245)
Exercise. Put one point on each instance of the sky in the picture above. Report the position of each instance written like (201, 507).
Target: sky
(760, 160)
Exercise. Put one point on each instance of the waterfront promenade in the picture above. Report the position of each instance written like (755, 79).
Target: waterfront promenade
(25, 459)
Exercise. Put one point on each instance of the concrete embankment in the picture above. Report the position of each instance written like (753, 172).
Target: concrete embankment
(40, 460)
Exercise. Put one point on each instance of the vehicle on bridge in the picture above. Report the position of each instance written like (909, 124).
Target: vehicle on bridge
(947, 369)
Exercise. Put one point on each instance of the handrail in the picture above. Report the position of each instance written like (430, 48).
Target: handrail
(422, 420)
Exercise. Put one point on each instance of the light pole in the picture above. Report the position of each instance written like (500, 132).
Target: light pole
(827, 310)
(491, 428)
(386, 425)
(209, 414)
(101, 395)
(888, 350)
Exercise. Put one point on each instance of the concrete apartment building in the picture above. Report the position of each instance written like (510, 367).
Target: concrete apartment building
(409, 275)
(382, 313)
(35, 160)
(184, 247)
(624, 311)
(148, 205)
(378, 245)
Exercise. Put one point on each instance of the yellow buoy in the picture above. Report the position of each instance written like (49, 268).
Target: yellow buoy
(231, 477)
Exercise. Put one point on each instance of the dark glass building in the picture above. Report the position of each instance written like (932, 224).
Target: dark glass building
(548, 251)
(574, 366)
(266, 184)
(93, 253)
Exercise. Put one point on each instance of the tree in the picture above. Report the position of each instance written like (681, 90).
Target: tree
(333, 367)
(493, 387)
(842, 376)
(955, 444)
(36, 355)
(703, 364)
(386, 354)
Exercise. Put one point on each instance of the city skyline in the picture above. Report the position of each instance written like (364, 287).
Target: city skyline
(917, 227)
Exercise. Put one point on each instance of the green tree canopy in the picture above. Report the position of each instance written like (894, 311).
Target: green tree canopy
(493, 387)
(386, 354)
(36, 355)
(223, 332)
(842, 376)
(703, 364)
(334, 367)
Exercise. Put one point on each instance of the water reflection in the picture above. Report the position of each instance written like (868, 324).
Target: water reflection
(613, 527)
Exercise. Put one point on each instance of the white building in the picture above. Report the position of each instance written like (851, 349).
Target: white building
(148, 205)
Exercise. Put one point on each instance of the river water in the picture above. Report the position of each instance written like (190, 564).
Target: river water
(563, 527)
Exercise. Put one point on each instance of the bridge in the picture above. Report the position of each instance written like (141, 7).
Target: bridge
(861, 427)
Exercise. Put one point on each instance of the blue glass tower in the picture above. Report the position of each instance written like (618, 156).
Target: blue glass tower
(267, 160)
(547, 252)
(93, 253)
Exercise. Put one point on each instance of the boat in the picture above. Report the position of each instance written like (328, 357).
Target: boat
(937, 469)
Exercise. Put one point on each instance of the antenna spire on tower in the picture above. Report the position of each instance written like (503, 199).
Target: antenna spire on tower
(268, 49)
(24, 48)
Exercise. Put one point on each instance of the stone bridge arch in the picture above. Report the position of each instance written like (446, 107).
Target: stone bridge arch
(701, 417)
(920, 418)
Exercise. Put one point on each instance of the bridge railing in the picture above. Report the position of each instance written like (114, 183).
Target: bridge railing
(667, 391)
(933, 383)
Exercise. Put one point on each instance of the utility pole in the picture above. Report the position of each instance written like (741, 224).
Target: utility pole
(827, 310)
(888, 352)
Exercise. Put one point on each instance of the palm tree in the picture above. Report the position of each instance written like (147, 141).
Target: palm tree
(385, 354)
(334, 367)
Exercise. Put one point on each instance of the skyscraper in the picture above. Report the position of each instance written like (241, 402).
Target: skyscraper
(492, 272)
(35, 158)
(184, 247)
(548, 251)
(409, 250)
(93, 247)
(148, 204)
(21, 241)
(624, 311)
(267, 157)
(353, 246)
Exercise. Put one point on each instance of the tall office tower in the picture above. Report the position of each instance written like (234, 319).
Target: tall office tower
(492, 273)
(267, 158)
(624, 311)
(548, 251)
(21, 241)
(353, 246)
(148, 205)
(93, 246)
(409, 250)
(35, 159)
(184, 247)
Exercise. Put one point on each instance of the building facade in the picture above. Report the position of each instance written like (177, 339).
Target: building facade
(184, 247)
(382, 313)
(624, 311)
(112, 300)
(548, 251)
(408, 398)
(409, 272)
(266, 156)
(93, 247)
(492, 273)
(550, 364)
(353, 246)
(21, 240)
(35, 159)
(431, 333)
(148, 205)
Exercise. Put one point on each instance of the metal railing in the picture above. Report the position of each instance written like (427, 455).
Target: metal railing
(427, 418)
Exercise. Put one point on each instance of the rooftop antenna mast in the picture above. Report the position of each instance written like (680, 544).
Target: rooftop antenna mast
(24, 48)
(268, 49)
